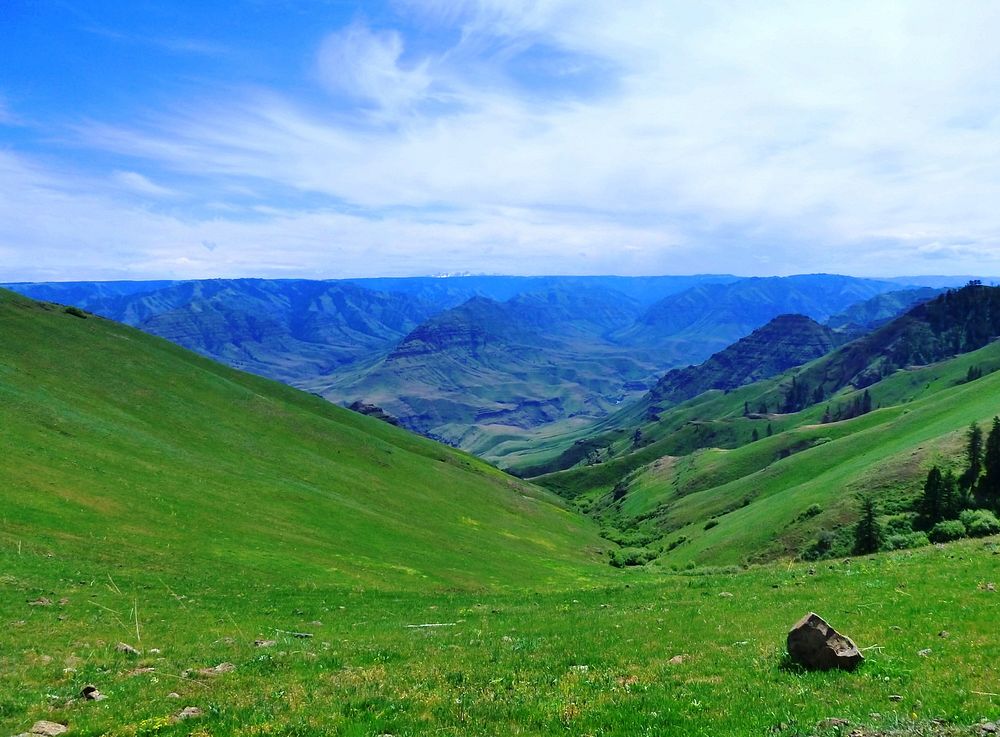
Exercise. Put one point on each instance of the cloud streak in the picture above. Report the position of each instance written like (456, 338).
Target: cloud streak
(778, 138)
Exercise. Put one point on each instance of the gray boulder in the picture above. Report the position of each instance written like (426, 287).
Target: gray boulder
(816, 645)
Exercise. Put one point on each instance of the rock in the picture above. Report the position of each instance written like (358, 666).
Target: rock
(816, 645)
(895, 697)
(989, 728)
(41, 601)
(48, 729)
(173, 695)
(90, 693)
(944, 634)
(676, 660)
(579, 668)
(63, 601)
(924, 653)
(265, 643)
(188, 712)
(126, 649)
(726, 595)
(141, 671)
(991, 587)
(831, 722)
(217, 670)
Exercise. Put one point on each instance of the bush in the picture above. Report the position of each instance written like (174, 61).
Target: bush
(947, 531)
(631, 557)
(902, 541)
(980, 522)
(76, 312)
(811, 511)
(898, 524)
(821, 547)
(710, 524)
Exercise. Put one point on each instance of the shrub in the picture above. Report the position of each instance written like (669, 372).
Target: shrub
(631, 557)
(898, 524)
(710, 524)
(809, 512)
(980, 522)
(902, 541)
(76, 312)
(947, 531)
(820, 547)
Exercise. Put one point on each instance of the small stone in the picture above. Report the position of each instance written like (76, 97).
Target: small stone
(217, 670)
(895, 697)
(141, 671)
(188, 712)
(924, 653)
(991, 587)
(579, 668)
(316, 623)
(831, 722)
(90, 693)
(989, 728)
(815, 644)
(676, 660)
(173, 695)
(265, 643)
(41, 601)
(154, 651)
(126, 649)
(63, 601)
(48, 729)
(944, 634)
(726, 595)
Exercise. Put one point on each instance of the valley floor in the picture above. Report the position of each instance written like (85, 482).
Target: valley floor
(644, 654)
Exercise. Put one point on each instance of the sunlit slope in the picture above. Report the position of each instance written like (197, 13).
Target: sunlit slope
(751, 500)
(123, 451)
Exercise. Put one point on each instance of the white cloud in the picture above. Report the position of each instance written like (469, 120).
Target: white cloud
(753, 138)
(136, 182)
(365, 64)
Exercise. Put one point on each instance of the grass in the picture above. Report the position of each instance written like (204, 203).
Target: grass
(754, 493)
(120, 446)
(595, 660)
(155, 498)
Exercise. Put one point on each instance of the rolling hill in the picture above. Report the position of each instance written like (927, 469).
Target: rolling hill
(706, 482)
(278, 565)
(121, 446)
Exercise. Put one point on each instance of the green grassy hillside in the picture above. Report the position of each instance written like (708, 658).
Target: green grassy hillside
(707, 493)
(122, 450)
(284, 567)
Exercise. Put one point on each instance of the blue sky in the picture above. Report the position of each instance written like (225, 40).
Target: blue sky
(334, 139)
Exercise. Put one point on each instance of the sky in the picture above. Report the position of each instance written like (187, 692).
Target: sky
(339, 138)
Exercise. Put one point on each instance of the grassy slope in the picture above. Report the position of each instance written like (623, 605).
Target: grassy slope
(755, 495)
(504, 663)
(122, 447)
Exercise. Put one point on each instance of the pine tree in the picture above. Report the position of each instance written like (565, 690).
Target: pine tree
(746, 408)
(988, 489)
(930, 502)
(754, 436)
(951, 499)
(770, 430)
(973, 456)
(868, 532)
(866, 403)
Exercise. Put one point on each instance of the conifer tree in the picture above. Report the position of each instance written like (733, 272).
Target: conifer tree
(868, 532)
(951, 499)
(973, 456)
(930, 502)
(988, 488)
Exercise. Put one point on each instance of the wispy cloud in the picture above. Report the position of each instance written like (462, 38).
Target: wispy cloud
(140, 184)
(718, 136)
